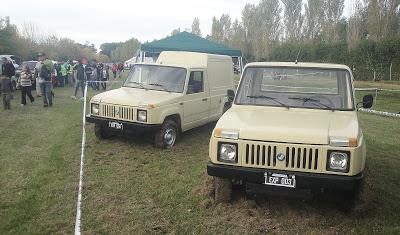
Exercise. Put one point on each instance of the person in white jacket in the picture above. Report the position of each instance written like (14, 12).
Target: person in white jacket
(37, 77)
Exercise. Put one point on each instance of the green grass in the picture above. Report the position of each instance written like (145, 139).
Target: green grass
(388, 101)
(132, 187)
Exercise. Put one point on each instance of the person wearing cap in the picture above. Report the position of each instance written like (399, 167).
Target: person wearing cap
(45, 71)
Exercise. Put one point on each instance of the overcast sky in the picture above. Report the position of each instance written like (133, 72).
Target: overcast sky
(114, 21)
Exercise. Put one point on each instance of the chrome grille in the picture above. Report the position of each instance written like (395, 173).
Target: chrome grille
(297, 157)
(118, 112)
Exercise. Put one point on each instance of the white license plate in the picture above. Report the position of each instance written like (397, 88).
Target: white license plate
(281, 180)
(116, 125)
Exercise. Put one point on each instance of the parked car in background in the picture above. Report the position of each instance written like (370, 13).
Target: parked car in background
(293, 129)
(181, 91)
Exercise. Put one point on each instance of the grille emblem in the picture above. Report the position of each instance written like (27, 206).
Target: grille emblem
(280, 156)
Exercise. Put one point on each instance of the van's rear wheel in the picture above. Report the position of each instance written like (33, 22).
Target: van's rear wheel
(223, 190)
(101, 132)
(167, 135)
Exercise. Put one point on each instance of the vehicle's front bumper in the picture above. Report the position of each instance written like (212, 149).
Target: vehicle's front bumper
(127, 126)
(303, 180)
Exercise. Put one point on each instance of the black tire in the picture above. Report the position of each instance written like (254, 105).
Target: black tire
(223, 190)
(167, 136)
(101, 132)
(227, 106)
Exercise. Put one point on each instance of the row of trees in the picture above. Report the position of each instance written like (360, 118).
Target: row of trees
(280, 29)
(120, 51)
(27, 41)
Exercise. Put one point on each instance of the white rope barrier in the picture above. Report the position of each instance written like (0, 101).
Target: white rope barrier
(79, 200)
(381, 113)
(376, 89)
(80, 186)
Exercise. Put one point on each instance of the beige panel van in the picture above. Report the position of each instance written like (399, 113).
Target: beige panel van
(293, 127)
(181, 91)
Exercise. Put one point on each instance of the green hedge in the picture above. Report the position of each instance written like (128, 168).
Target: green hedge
(367, 57)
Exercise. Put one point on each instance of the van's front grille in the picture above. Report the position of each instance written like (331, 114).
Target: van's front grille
(118, 112)
(294, 157)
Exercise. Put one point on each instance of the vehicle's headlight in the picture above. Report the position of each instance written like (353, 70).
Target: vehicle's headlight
(227, 134)
(343, 142)
(338, 161)
(227, 153)
(142, 115)
(95, 109)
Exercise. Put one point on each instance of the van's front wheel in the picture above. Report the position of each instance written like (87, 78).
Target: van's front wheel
(223, 190)
(167, 135)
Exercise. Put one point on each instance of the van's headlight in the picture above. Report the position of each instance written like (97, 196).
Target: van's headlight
(343, 142)
(142, 115)
(338, 161)
(95, 109)
(227, 152)
(227, 134)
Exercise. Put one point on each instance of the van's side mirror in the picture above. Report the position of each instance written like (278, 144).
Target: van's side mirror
(368, 101)
(231, 95)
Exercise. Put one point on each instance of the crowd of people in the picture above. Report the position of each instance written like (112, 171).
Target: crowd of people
(48, 75)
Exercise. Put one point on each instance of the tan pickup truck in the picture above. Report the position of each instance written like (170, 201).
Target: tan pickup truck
(293, 127)
(181, 91)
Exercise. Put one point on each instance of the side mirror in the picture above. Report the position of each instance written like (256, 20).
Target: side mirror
(231, 95)
(368, 101)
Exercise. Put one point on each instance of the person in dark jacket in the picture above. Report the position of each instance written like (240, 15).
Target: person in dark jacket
(82, 73)
(6, 90)
(8, 68)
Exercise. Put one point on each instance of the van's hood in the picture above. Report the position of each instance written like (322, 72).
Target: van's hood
(136, 97)
(305, 126)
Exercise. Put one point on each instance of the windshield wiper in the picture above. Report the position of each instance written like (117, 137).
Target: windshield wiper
(138, 83)
(159, 85)
(268, 98)
(308, 99)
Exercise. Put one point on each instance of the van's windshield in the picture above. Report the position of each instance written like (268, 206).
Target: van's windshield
(313, 88)
(154, 77)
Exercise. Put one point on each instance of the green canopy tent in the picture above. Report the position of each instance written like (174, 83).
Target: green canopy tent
(187, 42)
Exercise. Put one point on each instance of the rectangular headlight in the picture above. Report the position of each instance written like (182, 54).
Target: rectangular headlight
(338, 161)
(95, 109)
(227, 134)
(142, 115)
(227, 152)
(343, 142)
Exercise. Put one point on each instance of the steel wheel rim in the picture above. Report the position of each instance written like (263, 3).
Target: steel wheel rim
(169, 137)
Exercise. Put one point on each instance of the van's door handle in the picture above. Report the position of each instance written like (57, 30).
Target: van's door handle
(205, 99)
(181, 103)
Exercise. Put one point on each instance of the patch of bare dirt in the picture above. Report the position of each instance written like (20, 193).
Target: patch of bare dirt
(264, 214)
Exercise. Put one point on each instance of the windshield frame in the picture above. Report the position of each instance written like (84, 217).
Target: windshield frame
(131, 70)
(350, 88)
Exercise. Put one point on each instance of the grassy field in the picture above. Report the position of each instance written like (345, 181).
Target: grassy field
(385, 100)
(132, 187)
